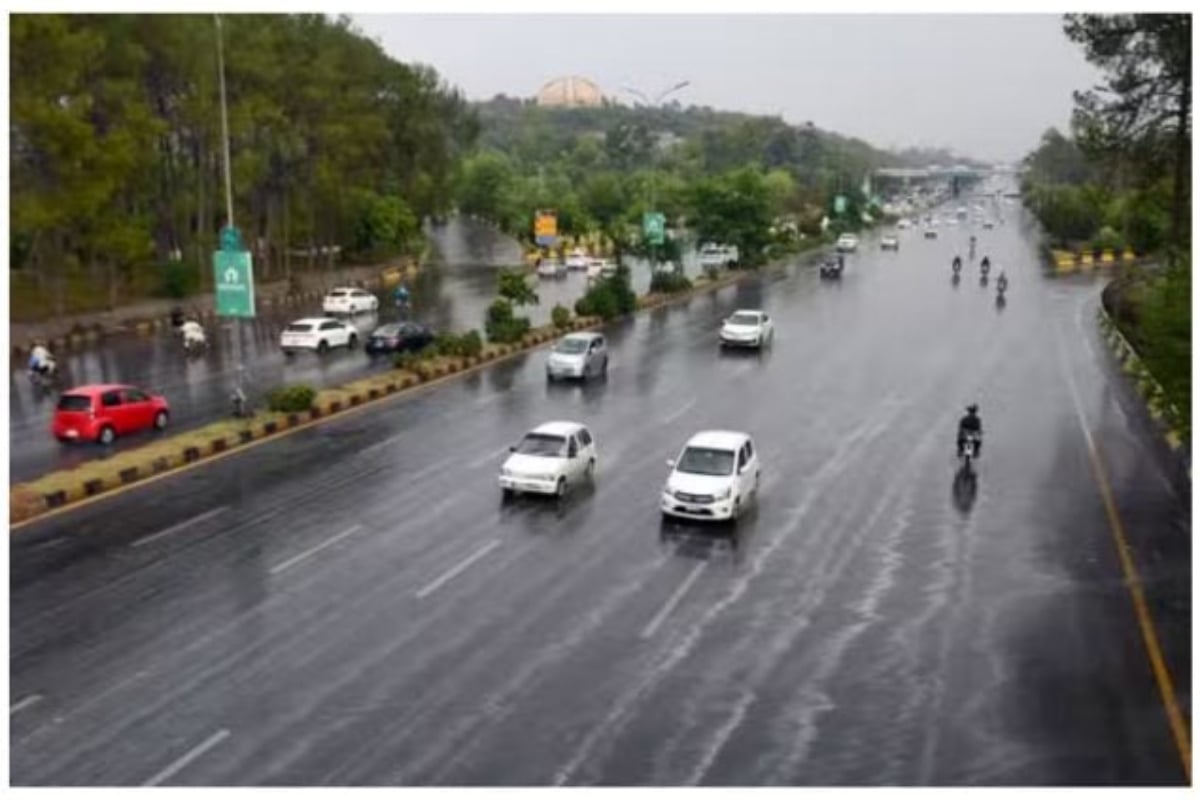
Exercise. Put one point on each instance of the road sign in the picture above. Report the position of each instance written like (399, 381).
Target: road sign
(233, 275)
(654, 225)
(545, 228)
(839, 204)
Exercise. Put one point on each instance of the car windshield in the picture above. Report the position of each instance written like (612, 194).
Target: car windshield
(337, 294)
(572, 346)
(542, 444)
(706, 461)
(74, 402)
(388, 330)
(743, 319)
(299, 327)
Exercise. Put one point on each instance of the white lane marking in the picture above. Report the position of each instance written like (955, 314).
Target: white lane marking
(487, 459)
(188, 757)
(21, 705)
(380, 444)
(312, 551)
(180, 526)
(674, 415)
(673, 601)
(461, 566)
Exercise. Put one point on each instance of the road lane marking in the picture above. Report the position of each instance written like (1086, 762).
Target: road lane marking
(180, 526)
(1133, 581)
(21, 705)
(667, 420)
(673, 601)
(312, 551)
(188, 757)
(454, 571)
(487, 459)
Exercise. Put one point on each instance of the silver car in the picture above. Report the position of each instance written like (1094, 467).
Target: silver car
(578, 355)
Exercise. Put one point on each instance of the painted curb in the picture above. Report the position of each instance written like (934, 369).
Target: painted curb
(1148, 389)
(27, 504)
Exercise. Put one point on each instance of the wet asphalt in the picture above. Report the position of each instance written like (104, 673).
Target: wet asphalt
(353, 604)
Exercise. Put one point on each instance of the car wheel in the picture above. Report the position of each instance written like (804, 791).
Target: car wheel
(322, 347)
(591, 469)
(506, 496)
(353, 343)
(604, 367)
(160, 420)
(289, 353)
(107, 435)
(560, 490)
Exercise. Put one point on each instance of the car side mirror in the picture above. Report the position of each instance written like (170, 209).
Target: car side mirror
(512, 448)
(671, 463)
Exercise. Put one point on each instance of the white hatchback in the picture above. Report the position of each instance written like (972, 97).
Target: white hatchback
(847, 243)
(318, 333)
(349, 300)
(715, 477)
(747, 328)
(550, 459)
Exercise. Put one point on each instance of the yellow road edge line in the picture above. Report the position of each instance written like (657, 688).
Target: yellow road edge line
(345, 412)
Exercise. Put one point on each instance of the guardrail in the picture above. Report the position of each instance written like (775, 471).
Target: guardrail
(1067, 261)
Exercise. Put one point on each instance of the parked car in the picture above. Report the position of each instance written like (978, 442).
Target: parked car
(102, 412)
(398, 337)
(715, 477)
(577, 260)
(889, 242)
(318, 333)
(718, 255)
(598, 268)
(551, 269)
(578, 355)
(550, 459)
(349, 300)
(747, 328)
(847, 243)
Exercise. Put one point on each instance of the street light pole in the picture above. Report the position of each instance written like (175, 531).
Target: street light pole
(655, 103)
(238, 396)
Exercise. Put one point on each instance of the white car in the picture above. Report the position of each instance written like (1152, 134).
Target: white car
(715, 477)
(551, 458)
(889, 242)
(348, 300)
(747, 328)
(577, 259)
(551, 269)
(600, 268)
(904, 224)
(847, 243)
(319, 334)
(717, 255)
(578, 355)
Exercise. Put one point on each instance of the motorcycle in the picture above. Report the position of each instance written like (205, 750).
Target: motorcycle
(984, 267)
(46, 378)
(956, 265)
(969, 450)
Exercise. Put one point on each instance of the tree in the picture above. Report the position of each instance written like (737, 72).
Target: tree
(734, 209)
(514, 287)
(1145, 106)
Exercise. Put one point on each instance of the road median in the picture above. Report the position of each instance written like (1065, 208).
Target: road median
(63, 489)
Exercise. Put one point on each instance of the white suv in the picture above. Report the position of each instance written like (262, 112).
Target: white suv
(349, 301)
(550, 459)
(318, 333)
(715, 477)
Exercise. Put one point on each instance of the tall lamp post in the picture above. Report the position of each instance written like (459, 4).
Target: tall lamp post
(238, 396)
(655, 103)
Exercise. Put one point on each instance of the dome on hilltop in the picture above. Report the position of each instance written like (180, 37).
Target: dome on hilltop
(570, 92)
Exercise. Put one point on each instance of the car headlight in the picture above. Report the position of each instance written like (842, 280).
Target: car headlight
(505, 472)
(725, 494)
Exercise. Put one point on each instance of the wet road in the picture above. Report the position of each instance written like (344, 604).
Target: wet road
(453, 294)
(353, 605)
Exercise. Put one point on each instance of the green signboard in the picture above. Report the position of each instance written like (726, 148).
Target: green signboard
(233, 273)
(654, 225)
(839, 204)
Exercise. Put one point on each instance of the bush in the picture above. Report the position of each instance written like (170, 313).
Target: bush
(1108, 239)
(501, 325)
(669, 283)
(179, 280)
(450, 344)
(291, 399)
(470, 344)
(560, 315)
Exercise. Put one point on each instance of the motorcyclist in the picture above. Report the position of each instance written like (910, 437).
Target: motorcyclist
(193, 334)
(41, 361)
(177, 317)
(971, 425)
(956, 264)
(400, 295)
(985, 264)
(1002, 283)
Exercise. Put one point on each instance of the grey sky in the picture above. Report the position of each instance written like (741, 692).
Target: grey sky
(986, 85)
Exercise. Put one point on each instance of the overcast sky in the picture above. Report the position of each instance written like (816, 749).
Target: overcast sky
(985, 85)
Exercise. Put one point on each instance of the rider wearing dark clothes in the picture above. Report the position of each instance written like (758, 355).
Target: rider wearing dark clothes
(971, 424)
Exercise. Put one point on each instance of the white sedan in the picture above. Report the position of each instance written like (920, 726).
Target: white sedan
(551, 458)
(348, 300)
(747, 328)
(319, 334)
(889, 242)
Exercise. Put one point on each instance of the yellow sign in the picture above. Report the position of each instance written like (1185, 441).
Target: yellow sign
(545, 227)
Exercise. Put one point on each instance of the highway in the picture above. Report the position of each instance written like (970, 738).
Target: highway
(353, 605)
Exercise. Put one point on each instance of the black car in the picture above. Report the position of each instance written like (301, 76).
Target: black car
(397, 337)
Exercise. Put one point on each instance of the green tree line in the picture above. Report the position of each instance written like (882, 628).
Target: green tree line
(116, 165)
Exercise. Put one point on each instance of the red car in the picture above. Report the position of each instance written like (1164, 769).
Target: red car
(102, 412)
